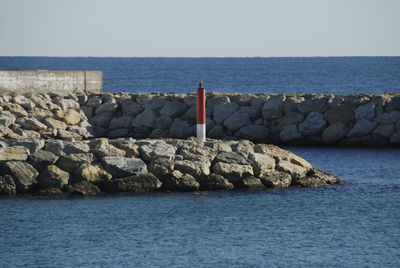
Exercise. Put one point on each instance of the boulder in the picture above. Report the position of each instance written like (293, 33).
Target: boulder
(224, 111)
(118, 133)
(395, 139)
(366, 111)
(53, 177)
(313, 124)
(94, 101)
(181, 129)
(24, 102)
(261, 163)
(107, 107)
(173, 109)
(75, 147)
(119, 166)
(71, 162)
(42, 159)
(162, 166)
(6, 120)
(120, 122)
(273, 107)
(128, 145)
(361, 128)
(103, 150)
(54, 123)
(152, 149)
(31, 124)
(66, 104)
(250, 183)
(180, 182)
(15, 109)
(388, 118)
(218, 132)
(13, 153)
(215, 182)
(233, 172)
(291, 104)
(232, 157)
(193, 167)
(163, 122)
(317, 177)
(32, 145)
(102, 120)
(254, 110)
(334, 133)
(341, 113)
(23, 174)
(145, 182)
(393, 105)
(253, 132)
(91, 173)
(129, 107)
(82, 188)
(146, 118)
(296, 171)
(237, 120)
(276, 179)
(7, 185)
(72, 117)
(290, 133)
(384, 131)
(289, 119)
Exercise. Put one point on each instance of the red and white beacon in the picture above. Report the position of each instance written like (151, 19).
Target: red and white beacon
(201, 113)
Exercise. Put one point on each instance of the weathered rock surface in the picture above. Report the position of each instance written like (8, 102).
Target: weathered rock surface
(122, 167)
(23, 174)
(53, 177)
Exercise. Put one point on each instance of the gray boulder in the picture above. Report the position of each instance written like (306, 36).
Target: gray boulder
(6, 120)
(361, 128)
(395, 139)
(106, 107)
(313, 124)
(146, 118)
(384, 131)
(31, 124)
(101, 120)
(261, 163)
(173, 109)
(273, 107)
(290, 133)
(388, 118)
(224, 111)
(233, 172)
(32, 145)
(317, 177)
(253, 132)
(341, 113)
(162, 166)
(290, 118)
(181, 129)
(366, 111)
(82, 188)
(153, 149)
(334, 133)
(129, 107)
(122, 166)
(250, 183)
(237, 120)
(120, 122)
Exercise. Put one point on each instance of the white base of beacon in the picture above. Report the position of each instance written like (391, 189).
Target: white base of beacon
(201, 132)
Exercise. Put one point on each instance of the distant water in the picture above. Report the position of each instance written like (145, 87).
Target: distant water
(356, 224)
(339, 75)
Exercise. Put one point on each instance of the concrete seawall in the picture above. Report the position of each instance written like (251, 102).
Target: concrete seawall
(305, 119)
(51, 81)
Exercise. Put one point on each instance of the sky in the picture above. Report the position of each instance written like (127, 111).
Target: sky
(201, 28)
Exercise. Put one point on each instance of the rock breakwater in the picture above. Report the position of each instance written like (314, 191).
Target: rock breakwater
(101, 165)
(306, 119)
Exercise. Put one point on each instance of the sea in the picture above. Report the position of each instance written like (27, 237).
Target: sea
(356, 224)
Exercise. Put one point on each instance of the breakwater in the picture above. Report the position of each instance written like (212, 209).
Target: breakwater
(306, 119)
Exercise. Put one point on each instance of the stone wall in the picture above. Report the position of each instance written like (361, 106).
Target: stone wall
(305, 119)
(51, 81)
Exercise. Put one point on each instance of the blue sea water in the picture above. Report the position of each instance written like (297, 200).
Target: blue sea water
(339, 75)
(356, 224)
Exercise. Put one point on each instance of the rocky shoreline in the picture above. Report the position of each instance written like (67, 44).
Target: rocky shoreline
(101, 165)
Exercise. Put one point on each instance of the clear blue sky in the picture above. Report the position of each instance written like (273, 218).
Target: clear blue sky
(186, 28)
